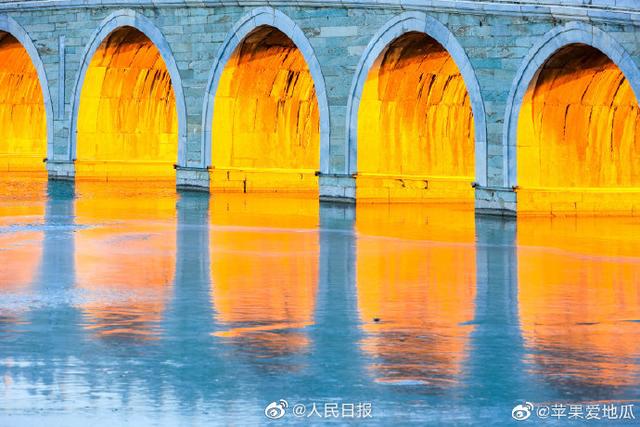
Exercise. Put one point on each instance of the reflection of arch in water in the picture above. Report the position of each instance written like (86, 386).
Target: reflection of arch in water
(21, 249)
(264, 270)
(125, 257)
(579, 301)
(20, 257)
(416, 273)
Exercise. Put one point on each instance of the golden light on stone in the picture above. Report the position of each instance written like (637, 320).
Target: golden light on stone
(127, 120)
(415, 125)
(23, 135)
(578, 141)
(266, 123)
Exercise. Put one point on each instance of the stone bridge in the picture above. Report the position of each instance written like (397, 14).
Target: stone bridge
(524, 106)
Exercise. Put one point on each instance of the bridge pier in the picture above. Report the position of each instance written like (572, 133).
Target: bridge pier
(62, 170)
(498, 201)
(196, 179)
(337, 188)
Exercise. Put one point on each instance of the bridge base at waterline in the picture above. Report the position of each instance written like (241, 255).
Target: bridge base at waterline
(388, 188)
(27, 165)
(337, 188)
(558, 201)
(263, 180)
(61, 170)
(579, 201)
(498, 201)
(195, 179)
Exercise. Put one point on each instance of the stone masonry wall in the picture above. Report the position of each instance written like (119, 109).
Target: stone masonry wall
(496, 38)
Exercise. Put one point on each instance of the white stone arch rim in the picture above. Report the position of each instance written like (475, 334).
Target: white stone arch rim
(130, 18)
(9, 25)
(552, 42)
(260, 17)
(392, 30)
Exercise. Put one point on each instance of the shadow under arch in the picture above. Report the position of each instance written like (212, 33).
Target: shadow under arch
(417, 22)
(265, 17)
(573, 33)
(117, 20)
(10, 26)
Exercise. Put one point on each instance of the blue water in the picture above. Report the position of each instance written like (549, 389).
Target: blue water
(131, 304)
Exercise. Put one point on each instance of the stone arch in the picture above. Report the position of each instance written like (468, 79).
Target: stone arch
(394, 29)
(117, 20)
(261, 17)
(10, 26)
(552, 42)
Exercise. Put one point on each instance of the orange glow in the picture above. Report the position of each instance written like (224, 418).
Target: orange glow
(125, 257)
(20, 259)
(21, 204)
(23, 133)
(579, 299)
(266, 124)
(22, 200)
(579, 137)
(415, 125)
(421, 292)
(127, 119)
(264, 270)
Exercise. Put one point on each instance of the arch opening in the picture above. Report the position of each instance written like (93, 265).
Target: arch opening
(127, 119)
(266, 121)
(578, 136)
(23, 127)
(415, 125)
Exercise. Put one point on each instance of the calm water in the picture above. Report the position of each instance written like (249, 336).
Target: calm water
(131, 304)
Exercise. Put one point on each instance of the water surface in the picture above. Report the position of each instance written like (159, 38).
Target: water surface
(128, 303)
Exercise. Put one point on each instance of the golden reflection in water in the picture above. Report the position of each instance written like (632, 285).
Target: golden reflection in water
(22, 200)
(579, 114)
(579, 298)
(416, 274)
(21, 207)
(20, 258)
(23, 140)
(266, 123)
(127, 119)
(125, 257)
(264, 270)
(415, 125)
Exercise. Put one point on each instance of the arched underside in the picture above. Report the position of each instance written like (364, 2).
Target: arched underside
(23, 128)
(578, 137)
(266, 121)
(415, 125)
(127, 120)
